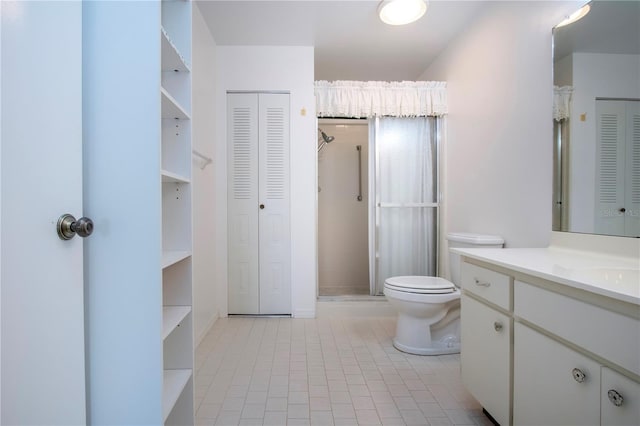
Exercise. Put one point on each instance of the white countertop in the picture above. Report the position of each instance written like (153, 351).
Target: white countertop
(615, 277)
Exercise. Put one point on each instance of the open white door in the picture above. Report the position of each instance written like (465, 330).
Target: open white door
(42, 307)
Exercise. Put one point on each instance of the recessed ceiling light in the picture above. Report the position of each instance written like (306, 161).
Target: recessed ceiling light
(401, 12)
(579, 14)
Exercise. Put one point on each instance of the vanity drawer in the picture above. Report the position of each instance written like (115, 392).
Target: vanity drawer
(608, 334)
(489, 285)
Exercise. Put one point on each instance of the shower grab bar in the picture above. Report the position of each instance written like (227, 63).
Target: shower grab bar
(401, 205)
(359, 149)
(206, 160)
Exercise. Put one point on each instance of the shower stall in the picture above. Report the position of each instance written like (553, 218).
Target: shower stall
(343, 264)
(378, 202)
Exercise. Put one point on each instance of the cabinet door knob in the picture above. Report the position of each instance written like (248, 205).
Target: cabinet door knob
(578, 375)
(497, 326)
(615, 398)
(261, 206)
(622, 210)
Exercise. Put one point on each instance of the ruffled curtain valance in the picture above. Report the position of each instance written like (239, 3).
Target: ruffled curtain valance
(562, 102)
(357, 99)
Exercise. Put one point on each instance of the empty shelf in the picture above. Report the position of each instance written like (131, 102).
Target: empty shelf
(172, 316)
(170, 257)
(174, 382)
(171, 108)
(172, 60)
(168, 176)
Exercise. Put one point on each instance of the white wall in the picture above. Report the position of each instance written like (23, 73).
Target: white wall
(594, 75)
(205, 299)
(497, 173)
(563, 71)
(269, 68)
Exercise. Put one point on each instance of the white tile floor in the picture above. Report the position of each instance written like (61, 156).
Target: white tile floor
(337, 369)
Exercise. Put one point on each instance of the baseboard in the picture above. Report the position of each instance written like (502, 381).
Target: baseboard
(200, 337)
(348, 307)
(304, 313)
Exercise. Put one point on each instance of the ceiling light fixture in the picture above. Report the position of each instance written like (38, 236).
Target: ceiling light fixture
(579, 14)
(401, 12)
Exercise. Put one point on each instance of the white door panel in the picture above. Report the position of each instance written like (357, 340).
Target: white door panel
(632, 171)
(275, 290)
(43, 368)
(243, 203)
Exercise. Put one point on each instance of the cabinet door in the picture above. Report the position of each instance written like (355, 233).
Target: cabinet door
(620, 399)
(544, 387)
(485, 357)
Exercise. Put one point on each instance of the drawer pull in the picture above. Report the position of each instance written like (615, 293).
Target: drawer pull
(497, 326)
(615, 398)
(481, 283)
(578, 375)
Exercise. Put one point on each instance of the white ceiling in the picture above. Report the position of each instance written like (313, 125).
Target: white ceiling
(351, 43)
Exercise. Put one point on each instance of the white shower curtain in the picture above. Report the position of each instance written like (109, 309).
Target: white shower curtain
(406, 197)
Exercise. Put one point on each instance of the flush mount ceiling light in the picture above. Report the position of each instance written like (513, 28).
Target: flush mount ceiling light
(579, 14)
(401, 12)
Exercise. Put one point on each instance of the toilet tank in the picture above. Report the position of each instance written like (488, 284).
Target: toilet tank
(464, 240)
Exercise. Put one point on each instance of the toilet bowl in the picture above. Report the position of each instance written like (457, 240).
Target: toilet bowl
(428, 314)
(429, 307)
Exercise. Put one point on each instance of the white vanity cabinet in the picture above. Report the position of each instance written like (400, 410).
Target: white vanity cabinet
(537, 351)
(568, 372)
(486, 339)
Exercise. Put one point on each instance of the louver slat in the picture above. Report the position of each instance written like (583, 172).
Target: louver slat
(635, 160)
(241, 153)
(608, 176)
(276, 167)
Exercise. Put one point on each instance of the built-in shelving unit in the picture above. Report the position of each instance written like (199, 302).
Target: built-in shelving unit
(175, 177)
(168, 176)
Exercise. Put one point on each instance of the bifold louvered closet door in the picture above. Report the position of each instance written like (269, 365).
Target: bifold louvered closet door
(618, 167)
(258, 203)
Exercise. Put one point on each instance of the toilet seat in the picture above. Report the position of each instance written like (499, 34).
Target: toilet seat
(420, 285)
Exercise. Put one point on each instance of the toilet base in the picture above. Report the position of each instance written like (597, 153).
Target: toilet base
(420, 336)
(436, 348)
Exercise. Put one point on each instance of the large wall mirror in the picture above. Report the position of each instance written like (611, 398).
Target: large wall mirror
(597, 121)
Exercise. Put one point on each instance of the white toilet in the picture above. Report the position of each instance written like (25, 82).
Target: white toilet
(429, 307)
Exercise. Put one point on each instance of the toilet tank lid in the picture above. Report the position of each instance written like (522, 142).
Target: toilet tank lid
(478, 239)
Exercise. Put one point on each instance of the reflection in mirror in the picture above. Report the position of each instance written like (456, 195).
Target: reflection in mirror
(597, 121)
